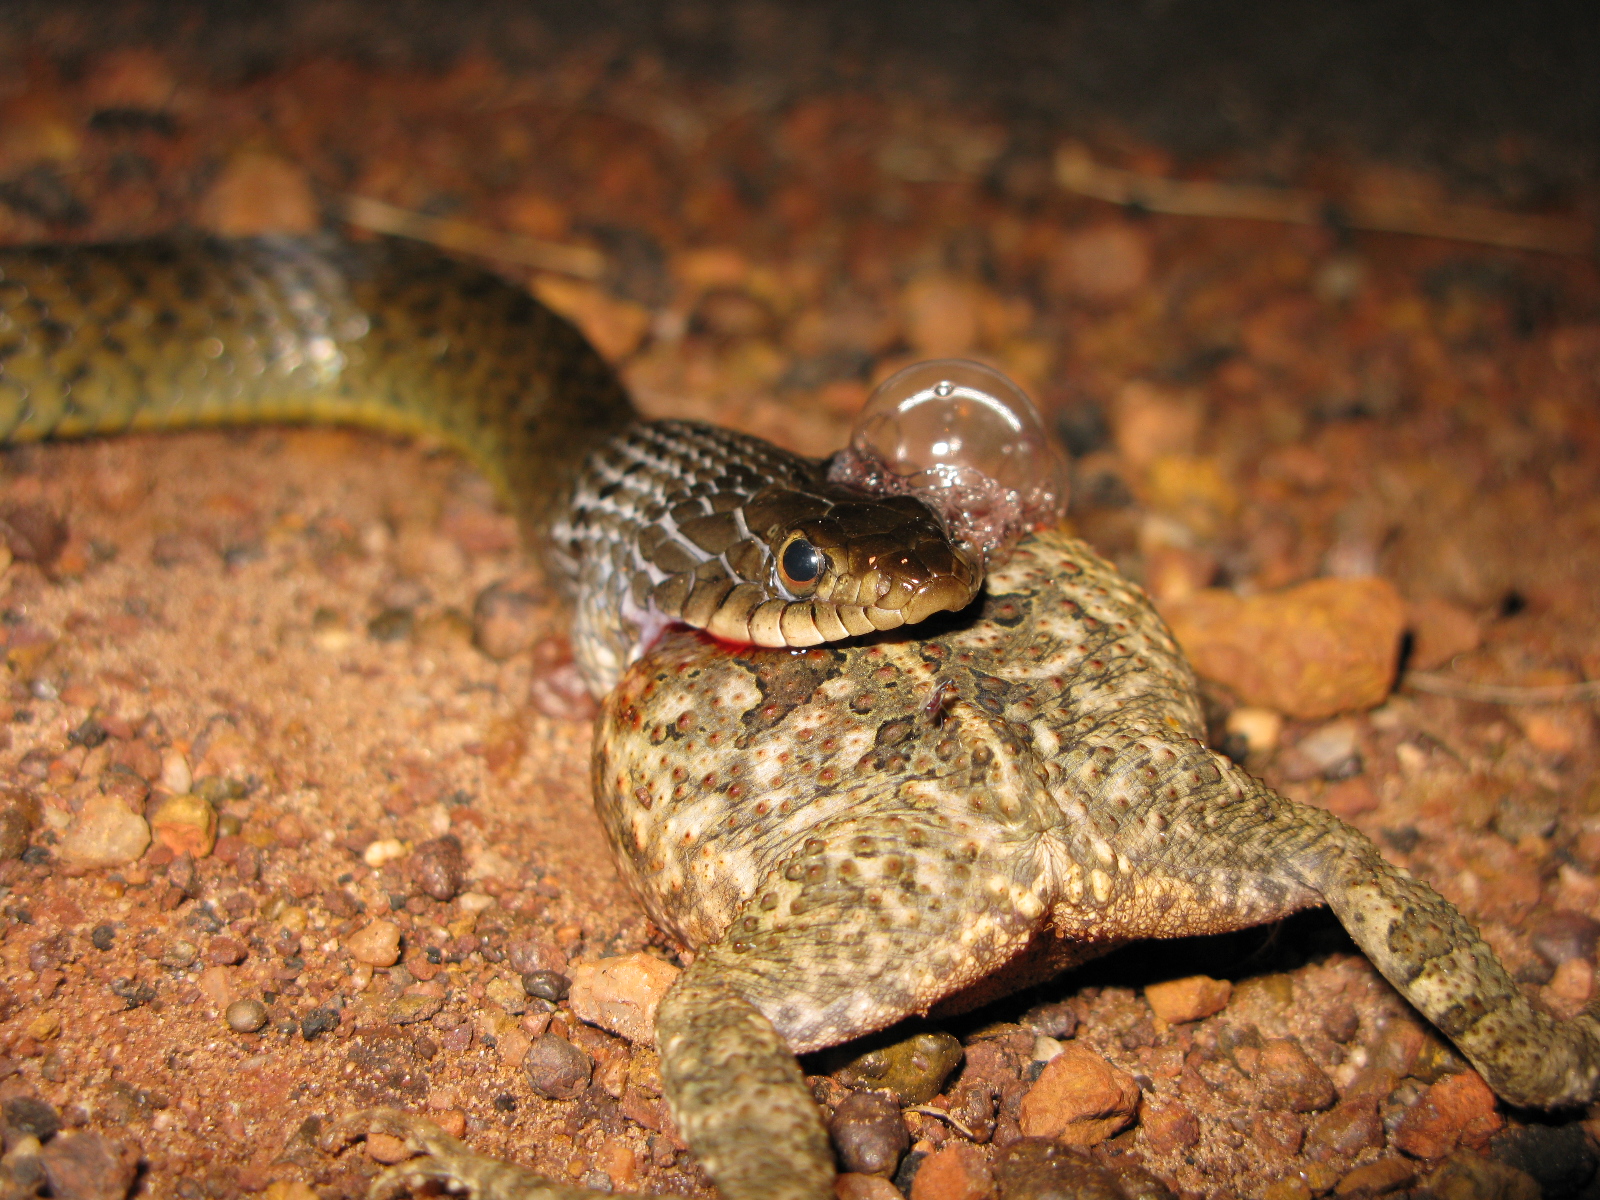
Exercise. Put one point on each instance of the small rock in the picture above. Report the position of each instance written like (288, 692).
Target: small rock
(547, 985)
(1102, 264)
(941, 315)
(1332, 751)
(1340, 1021)
(257, 193)
(1079, 1099)
(1258, 730)
(1348, 798)
(377, 945)
(33, 532)
(1458, 1110)
(318, 1022)
(1563, 935)
(413, 1007)
(104, 834)
(1467, 1177)
(509, 994)
(226, 952)
(1312, 651)
(1169, 1128)
(83, 1165)
(1440, 631)
(1150, 421)
(386, 1148)
(178, 955)
(556, 1068)
(245, 1016)
(532, 953)
(1057, 1020)
(31, 1116)
(175, 774)
(505, 621)
(956, 1171)
(1345, 1130)
(869, 1134)
(913, 1069)
(1181, 1000)
(19, 812)
(852, 1186)
(621, 994)
(1038, 1169)
(439, 867)
(1289, 1080)
(1377, 1178)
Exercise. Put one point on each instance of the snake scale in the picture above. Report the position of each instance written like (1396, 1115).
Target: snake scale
(850, 833)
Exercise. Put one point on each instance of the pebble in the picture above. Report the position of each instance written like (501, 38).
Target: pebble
(1258, 730)
(1312, 651)
(83, 1165)
(376, 945)
(941, 314)
(19, 812)
(869, 1134)
(259, 192)
(31, 1116)
(505, 621)
(1103, 264)
(1440, 631)
(318, 1022)
(1168, 1128)
(621, 994)
(175, 773)
(1377, 1178)
(1039, 1169)
(1345, 1130)
(386, 1148)
(1332, 751)
(913, 1069)
(547, 985)
(1057, 1019)
(1149, 421)
(33, 532)
(556, 1068)
(853, 1186)
(226, 952)
(184, 824)
(439, 867)
(413, 1007)
(1340, 1021)
(1079, 1099)
(104, 834)
(1288, 1079)
(508, 994)
(1468, 1177)
(1564, 935)
(1458, 1110)
(1192, 999)
(245, 1016)
(956, 1171)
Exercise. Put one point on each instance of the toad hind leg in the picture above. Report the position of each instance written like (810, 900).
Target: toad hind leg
(1433, 955)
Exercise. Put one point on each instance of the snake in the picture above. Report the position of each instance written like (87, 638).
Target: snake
(642, 524)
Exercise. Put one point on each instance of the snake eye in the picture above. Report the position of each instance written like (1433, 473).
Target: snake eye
(800, 565)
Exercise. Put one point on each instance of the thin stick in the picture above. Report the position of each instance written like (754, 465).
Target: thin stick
(1077, 172)
(468, 238)
(1495, 693)
(931, 1111)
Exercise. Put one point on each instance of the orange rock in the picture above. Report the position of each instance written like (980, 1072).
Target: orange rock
(941, 315)
(259, 192)
(1440, 630)
(1079, 1099)
(1459, 1110)
(1349, 797)
(1149, 420)
(1324, 647)
(103, 834)
(854, 1186)
(1376, 1178)
(1169, 1128)
(958, 1171)
(377, 945)
(1180, 1000)
(621, 994)
(184, 824)
(615, 326)
(1104, 263)
(384, 1148)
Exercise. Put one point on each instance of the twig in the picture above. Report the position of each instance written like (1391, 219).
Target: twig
(931, 1111)
(1496, 693)
(1077, 172)
(451, 234)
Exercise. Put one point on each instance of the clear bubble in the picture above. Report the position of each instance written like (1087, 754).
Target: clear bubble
(966, 441)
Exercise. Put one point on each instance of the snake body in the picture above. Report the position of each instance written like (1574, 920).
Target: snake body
(643, 523)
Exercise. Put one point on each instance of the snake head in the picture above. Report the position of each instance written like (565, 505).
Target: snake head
(840, 564)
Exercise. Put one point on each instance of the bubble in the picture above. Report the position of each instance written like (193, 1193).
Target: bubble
(965, 440)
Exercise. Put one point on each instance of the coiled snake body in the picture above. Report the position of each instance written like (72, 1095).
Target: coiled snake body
(850, 834)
